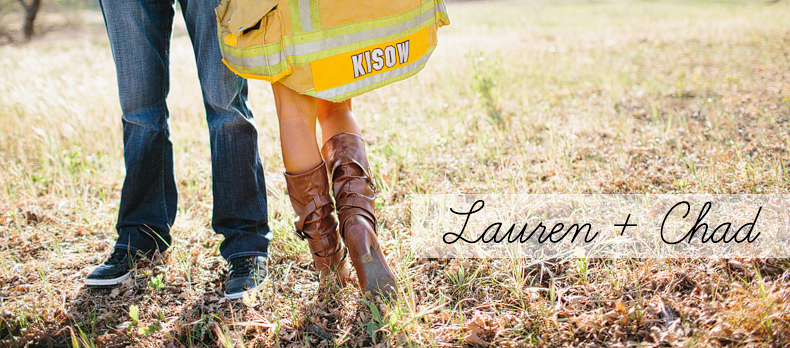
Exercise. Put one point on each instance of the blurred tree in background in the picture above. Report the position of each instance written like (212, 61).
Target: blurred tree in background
(31, 11)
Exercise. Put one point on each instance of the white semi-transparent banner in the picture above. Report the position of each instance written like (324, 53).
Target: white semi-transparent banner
(601, 226)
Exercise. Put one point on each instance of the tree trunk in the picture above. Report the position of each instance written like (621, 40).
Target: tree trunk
(31, 10)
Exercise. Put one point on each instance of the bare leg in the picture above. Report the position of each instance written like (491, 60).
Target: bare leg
(336, 118)
(297, 116)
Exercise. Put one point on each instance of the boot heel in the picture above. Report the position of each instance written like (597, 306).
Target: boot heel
(380, 280)
(372, 268)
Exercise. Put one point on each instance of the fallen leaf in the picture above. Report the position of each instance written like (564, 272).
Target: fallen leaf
(621, 307)
(474, 328)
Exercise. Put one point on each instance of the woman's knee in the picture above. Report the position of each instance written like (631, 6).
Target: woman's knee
(292, 105)
(328, 110)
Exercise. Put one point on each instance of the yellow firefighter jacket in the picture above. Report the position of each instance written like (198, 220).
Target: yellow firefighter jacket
(329, 49)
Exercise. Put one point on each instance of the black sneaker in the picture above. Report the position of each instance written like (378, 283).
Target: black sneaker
(247, 274)
(113, 271)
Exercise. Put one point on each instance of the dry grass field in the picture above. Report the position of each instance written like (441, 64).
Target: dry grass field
(566, 96)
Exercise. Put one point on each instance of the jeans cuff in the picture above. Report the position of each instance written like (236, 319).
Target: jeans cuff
(133, 250)
(127, 247)
(248, 253)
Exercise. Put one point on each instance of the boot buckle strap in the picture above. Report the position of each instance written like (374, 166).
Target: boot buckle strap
(357, 202)
(345, 160)
(311, 207)
(320, 201)
(319, 244)
(366, 170)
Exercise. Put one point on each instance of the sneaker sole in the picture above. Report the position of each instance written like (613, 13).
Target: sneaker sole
(241, 294)
(107, 282)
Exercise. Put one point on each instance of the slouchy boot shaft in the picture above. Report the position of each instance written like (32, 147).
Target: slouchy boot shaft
(316, 221)
(354, 192)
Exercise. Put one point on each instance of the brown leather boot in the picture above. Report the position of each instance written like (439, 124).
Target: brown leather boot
(316, 221)
(354, 192)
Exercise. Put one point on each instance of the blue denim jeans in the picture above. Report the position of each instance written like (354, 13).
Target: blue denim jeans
(140, 32)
